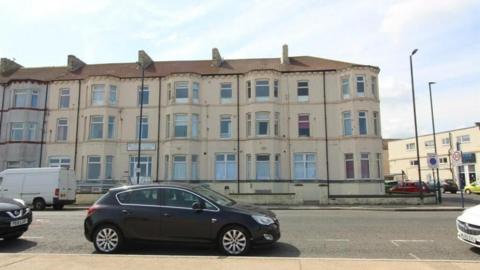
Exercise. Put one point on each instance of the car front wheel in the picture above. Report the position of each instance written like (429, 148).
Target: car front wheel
(107, 239)
(234, 241)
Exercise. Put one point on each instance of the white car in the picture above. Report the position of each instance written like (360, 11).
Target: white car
(468, 226)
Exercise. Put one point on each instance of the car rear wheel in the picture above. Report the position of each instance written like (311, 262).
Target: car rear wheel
(468, 191)
(39, 204)
(234, 241)
(13, 237)
(107, 239)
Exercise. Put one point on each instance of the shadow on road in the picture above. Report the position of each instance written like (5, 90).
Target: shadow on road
(18, 245)
(475, 250)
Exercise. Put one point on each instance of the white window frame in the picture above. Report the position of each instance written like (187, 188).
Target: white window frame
(31, 129)
(349, 157)
(464, 138)
(109, 167)
(261, 83)
(97, 124)
(167, 126)
(345, 87)
(376, 124)
(146, 94)
(196, 92)
(276, 124)
(145, 127)
(365, 157)
(222, 166)
(260, 118)
(226, 118)
(303, 98)
(113, 95)
(62, 125)
(98, 95)
(276, 88)
(446, 141)
(302, 160)
(111, 127)
(195, 126)
(195, 168)
(64, 94)
(360, 117)
(17, 128)
(347, 117)
(374, 86)
(180, 123)
(183, 169)
(98, 163)
(303, 121)
(262, 162)
(144, 161)
(181, 86)
(249, 124)
(360, 79)
(61, 161)
(278, 171)
(225, 88)
(410, 146)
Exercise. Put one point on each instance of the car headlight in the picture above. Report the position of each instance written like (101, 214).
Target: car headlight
(264, 220)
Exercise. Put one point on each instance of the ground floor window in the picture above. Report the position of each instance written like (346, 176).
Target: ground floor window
(194, 167)
(179, 167)
(225, 166)
(145, 169)
(94, 164)
(365, 165)
(63, 162)
(304, 166)
(263, 166)
(349, 166)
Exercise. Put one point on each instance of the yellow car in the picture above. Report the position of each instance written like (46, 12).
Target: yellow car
(472, 188)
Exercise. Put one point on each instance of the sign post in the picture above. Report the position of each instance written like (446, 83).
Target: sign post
(432, 162)
(456, 159)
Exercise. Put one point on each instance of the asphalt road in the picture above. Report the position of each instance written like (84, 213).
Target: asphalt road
(449, 199)
(306, 233)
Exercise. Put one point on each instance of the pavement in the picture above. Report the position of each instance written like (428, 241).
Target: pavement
(88, 262)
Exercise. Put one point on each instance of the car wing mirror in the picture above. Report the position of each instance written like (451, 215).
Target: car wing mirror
(197, 206)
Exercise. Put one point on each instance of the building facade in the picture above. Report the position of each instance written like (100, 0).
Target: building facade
(403, 155)
(250, 125)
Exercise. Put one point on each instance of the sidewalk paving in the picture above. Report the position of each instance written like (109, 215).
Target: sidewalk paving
(94, 262)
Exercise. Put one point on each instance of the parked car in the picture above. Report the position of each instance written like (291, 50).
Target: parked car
(389, 184)
(409, 187)
(468, 226)
(177, 213)
(39, 187)
(15, 218)
(449, 185)
(472, 188)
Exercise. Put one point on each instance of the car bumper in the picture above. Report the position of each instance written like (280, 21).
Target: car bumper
(87, 229)
(469, 239)
(6, 230)
(266, 234)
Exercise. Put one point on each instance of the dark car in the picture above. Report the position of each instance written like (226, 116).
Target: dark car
(15, 218)
(409, 187)
(449, 185)
(177, 213)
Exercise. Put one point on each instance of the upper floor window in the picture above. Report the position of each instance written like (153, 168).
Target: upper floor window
(262, 120)
(144, 127)
(302, 91)
(62, 129)
(225, 166)
(16, 131)
(249, 89)
(414, 162)
(225, 126)
(347, 123)
(196, 92)
(64, 99)
(345, 87)
(463, 139)
(167, 126)
(96, 127)
(111, 127)
(362, 123)
(303, 125)
(360, 85)
(195, 125)
(225, 93)
(181, 92)
(181, 125)
(275, 88)
(276, 124)
(429, 144)
(25, 98)
(112, 97)
(374, 86)
(410, 146)
(146, 95)
(304, 165)
(262, 90)
(446, 141)
(376, 124)
(98, 94)
(249, 124)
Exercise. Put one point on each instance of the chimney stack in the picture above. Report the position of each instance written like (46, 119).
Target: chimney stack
(216, 58)
(74, 63)
(8, 67)
(285, 60)
(144, 60)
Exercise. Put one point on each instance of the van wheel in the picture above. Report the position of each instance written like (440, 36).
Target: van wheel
(58, 206)
(234, 241)
(38, 204)
(107, 239)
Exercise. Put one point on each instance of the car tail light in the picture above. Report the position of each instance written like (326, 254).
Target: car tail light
(91, 210)
(57, 192)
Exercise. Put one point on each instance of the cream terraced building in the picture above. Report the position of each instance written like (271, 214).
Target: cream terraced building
(280, 125)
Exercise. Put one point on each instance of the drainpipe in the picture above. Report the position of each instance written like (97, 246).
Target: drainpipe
(158, 124)
(43, 127)
(77, 124)
(326, 135)
(238, 134)
(1, 110)
(138, 171)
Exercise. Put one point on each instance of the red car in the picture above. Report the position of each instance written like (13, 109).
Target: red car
(409, 187)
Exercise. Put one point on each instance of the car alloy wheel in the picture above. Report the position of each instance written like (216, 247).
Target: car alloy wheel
(234, 241)
(107, 239)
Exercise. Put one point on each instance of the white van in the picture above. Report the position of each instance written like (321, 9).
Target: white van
(39, 187)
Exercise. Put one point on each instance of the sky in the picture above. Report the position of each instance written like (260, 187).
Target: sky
(380, 33)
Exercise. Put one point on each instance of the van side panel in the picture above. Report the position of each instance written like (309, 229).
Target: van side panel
(67, 186)
(41, 185)
(12, 185)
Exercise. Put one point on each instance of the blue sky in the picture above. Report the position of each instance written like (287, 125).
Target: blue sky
(381, 33)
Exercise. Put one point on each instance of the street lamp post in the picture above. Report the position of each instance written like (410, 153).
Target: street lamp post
(138, 170)
(416, 129)
(434, 141)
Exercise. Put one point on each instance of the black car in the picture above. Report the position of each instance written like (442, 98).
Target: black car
(15, 218)
(449, 185)
(177, 213)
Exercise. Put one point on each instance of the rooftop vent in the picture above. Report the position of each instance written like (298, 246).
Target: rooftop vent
(74, 63)
(285, 60)
(216, 58)
(144, 60)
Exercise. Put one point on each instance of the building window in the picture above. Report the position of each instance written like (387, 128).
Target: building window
(446, 141)
(379, 165)
(360, 85)
(96, 127)
(144, 131)
(345, 87)
(303, 125)
(62, 129)
(275, 88)
(463, 139)
(349, 166)
(64, 99)
(98, 94)
(263, 166)
(276, 124)
(429, 144)
(249, 124)
(376, 126)
(277, 166)
(63, 162)
(196, 92)
(166, 164)
(93, 167)
(195, 167)
(195, 125)
(109, 167)
(443, 160)
(16, 131)
(302, 91)
(181, 125)
(169, 91)
(225, 166)
(145, 167)
(13, 164)
(167, 127)
(112, 97)
(410, 146)
(262, 119)
(249, 89)
(225, 93)
(25, 98)
(362, 123)
(374, 86)
(249, 166)
(262, 90)
(181, 92)
(179, 167)
(365, 165)
(413, 162)
(31, 131)
(225, 126)
(111, 127)
(304, 165)
(347, 123)
(146, 95)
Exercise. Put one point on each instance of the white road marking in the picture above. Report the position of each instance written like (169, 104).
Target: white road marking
(414, 256)
(329, 240)
(31, 237)
(396, 242)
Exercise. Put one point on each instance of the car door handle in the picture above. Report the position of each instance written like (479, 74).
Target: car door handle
(167, 214)
(126, 212)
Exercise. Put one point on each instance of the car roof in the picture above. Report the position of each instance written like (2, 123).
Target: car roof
(164, 184)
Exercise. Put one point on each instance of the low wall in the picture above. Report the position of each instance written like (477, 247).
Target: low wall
(87, 199)
(267, 199)
(382, 200)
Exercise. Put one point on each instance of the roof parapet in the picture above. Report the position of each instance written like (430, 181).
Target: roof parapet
(74, 63)
(216, 58)
(8, 67)
(285, 60)
(144, 59)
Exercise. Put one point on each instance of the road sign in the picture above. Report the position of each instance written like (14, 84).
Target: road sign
(432, 160)
(456, 158)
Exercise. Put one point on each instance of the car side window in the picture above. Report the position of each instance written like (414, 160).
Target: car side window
(179, 198)
(142, 196)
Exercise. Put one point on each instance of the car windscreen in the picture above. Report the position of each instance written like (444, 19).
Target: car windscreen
(214, 196)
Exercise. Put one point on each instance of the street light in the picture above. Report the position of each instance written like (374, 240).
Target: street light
(416, 130)
(434, 141)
